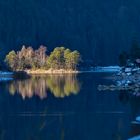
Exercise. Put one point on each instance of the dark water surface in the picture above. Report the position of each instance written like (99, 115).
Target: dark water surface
(66, 108)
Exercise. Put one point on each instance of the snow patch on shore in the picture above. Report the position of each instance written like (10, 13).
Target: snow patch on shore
(5, 79)
(5, 73)
(6, 76)
(106, 69)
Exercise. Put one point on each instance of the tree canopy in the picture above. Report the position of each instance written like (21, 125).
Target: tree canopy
(132, 55)
(62, 58)
(28, 58)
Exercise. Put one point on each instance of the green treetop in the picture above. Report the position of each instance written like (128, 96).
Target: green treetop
(11, 60)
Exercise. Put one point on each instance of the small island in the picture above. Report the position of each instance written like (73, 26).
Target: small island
(60, 60)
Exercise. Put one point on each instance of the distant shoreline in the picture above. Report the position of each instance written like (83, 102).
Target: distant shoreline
(61, 71)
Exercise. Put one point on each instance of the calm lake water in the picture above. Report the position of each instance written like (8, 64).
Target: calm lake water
(66, 107)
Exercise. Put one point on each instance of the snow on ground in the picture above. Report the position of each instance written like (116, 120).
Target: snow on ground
(6, 76)
(135, 138)
(6, 79)
(106, 69)
(6, 73)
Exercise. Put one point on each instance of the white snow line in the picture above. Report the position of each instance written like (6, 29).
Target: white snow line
(135, 138)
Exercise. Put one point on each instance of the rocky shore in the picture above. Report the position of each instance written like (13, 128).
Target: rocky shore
(127, 79)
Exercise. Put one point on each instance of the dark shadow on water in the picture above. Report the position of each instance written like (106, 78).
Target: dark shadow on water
(21, 75)
(128, 95)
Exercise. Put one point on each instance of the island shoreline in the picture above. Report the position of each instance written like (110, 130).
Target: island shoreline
(50, 71)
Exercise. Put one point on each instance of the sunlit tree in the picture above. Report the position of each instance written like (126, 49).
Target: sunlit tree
(27, 58)
(11, 60)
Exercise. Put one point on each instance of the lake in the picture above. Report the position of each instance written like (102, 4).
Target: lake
(68, 107)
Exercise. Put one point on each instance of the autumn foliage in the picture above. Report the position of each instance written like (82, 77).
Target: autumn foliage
(28, 58)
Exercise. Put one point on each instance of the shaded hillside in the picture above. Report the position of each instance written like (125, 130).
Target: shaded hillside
(98, 29)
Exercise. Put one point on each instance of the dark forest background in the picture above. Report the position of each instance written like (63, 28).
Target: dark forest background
(98, 29)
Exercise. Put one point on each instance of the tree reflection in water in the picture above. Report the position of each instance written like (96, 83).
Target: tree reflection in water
(59, 85)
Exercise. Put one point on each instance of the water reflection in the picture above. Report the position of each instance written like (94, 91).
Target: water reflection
(90, 115)
(128, 94)
(59, 85)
